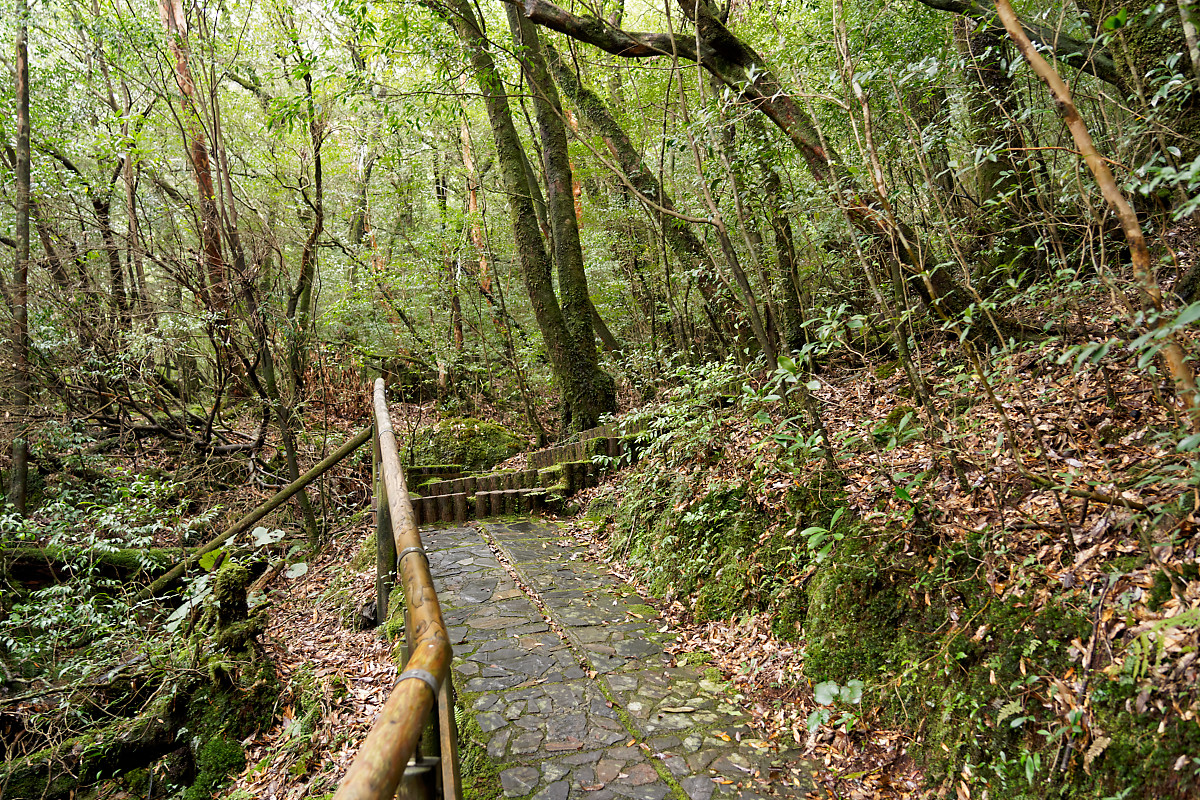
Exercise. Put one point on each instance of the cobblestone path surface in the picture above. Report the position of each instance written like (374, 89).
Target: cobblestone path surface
(597, 711)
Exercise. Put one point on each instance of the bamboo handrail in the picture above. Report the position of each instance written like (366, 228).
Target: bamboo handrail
(381, 760)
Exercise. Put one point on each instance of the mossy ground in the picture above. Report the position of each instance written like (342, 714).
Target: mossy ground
(715, 547)
(475, 444)
(480, 774)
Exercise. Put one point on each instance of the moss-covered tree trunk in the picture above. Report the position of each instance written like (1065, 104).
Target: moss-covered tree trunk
(588, 392)
(59, 772)
(684, 243)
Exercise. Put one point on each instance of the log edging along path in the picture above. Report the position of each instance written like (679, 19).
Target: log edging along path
(586, 703)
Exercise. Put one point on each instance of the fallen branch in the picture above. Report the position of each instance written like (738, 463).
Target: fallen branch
(123, 563)
(60, 771)
(254, 516)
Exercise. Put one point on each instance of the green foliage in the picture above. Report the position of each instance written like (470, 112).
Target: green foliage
(829, 693)
(115, 517)
(691, 526)
(480, 774)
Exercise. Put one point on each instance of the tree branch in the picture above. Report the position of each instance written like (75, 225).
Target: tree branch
(1073, 52)
(599, 33)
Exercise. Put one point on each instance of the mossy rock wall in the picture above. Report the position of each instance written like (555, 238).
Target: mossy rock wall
(475, 444)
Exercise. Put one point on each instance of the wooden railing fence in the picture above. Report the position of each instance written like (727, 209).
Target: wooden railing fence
(412, 749)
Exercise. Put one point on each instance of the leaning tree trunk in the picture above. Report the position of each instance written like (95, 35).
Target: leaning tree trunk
(686, 245)
(737, 65)
(1145, 283)
(588, 392)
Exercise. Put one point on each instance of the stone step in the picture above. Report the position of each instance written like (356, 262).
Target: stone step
(458, 507)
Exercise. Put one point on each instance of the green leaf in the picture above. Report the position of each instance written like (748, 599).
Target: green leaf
(1117, 20)
(296, 570)
(1188, 315)
(1189, 443)
(211, 559)
(824, 551)
(903, 494)
(852, 691)
(826, 692)
(813, 385)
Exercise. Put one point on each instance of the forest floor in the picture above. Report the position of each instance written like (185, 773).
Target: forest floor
(764, 670)
(1076, 496)
(335, 677)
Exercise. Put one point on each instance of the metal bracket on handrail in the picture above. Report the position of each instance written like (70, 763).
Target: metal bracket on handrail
(407, 550)
(419, 675)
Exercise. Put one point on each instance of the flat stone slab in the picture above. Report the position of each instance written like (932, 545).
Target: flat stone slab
(601, 712)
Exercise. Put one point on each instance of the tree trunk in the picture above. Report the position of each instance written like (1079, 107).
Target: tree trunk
(102, 205)
(684, 243)
(594, 391)
(215, 291)
(787, 283)
(300, 304)
(1003, 180)
(588, 392)
(20, 287)
(738, 66)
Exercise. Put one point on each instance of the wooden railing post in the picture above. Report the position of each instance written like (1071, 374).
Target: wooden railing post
(385, 543)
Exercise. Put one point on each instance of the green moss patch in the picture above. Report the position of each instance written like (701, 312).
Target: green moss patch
(473, 443)
(216, 760)
(480, 774)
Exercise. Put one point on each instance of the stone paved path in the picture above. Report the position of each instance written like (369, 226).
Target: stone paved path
(598, 712)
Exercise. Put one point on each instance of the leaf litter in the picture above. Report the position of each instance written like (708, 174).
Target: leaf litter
(1093, 435)
(334, 678)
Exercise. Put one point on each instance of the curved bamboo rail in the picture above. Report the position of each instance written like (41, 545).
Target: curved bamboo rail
(422, 690)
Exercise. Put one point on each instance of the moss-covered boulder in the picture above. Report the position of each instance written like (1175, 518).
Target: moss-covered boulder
(474, 443)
